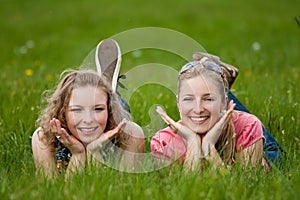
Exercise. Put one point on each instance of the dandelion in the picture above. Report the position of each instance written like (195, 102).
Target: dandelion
(256, 46)
(30, 44)
(283, 133)
(28, 72)
(49, 77)
(293, 119)
(248, 74)
(23, 50)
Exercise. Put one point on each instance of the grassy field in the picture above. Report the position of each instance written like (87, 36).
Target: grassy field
(39, 39)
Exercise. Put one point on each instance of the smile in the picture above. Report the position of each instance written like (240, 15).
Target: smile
(199, 119)
(87, 130)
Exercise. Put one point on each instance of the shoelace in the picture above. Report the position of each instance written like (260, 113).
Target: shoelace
(123, 76)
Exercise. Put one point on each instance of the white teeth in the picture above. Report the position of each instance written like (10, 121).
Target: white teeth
(87, 129)
(198, 119)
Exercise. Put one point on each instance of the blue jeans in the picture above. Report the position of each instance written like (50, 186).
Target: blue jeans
(272, 150)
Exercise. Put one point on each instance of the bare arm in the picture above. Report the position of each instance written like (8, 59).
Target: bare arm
(192, 141)
(134, 148)
(77, 161)
(136, 138)
(43, 157)
(211, 137)
(252, 155)
(128, 156)
(193, 154)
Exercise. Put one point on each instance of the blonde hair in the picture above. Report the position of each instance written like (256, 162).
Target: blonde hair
(227, 140)
(59, 100)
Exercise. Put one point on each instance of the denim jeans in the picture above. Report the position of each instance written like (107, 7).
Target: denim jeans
(272, 150)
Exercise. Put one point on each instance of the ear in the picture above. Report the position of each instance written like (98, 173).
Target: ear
(177, 102)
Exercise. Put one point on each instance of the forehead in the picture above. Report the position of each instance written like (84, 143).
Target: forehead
(198, 85)
(88, 94)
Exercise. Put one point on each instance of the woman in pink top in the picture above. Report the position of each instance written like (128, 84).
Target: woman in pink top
(209, 128)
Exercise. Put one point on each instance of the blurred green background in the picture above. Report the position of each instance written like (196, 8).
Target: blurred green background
(39, 39)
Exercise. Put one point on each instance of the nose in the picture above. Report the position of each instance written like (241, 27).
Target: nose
(198, 107)
(88, 117)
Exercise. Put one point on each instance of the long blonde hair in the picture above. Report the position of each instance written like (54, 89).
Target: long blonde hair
(58, 101)
(227, 140)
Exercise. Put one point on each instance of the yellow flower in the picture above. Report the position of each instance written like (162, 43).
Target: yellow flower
(248, 74)
(49, 77)
(28, 72)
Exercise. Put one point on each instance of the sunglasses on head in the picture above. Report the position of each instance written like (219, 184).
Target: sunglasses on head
(207, 64)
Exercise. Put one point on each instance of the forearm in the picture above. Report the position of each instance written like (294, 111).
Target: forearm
(46, 167)
(252, 155)
(77, 163)
(214, 159)
(193, 156)
(43, 156)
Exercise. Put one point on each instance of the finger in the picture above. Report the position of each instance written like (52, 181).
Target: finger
(58, 125)
(122, 124)
(53, 126)
(230, 109)
(165, 116)
(68, 140)
(111, 133)
(226, 115)
(231, 106)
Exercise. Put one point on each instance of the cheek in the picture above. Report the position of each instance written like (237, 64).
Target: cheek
(184, 110)
(215, 111)
(73, 118)
(102, 119)
(71, 123)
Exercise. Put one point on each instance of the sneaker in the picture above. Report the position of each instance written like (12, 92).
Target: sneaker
(108, 61)
(230, 71)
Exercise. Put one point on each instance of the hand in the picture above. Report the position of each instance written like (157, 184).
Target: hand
(187, 134)
(191, 139)
(73, 144)
(212, 136)
(105, 137)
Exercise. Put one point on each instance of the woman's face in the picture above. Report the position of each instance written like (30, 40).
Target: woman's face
(87, 113)
(200, 103)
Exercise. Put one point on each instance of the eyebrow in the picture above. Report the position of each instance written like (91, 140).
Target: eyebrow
(75, 105)
(206, 94)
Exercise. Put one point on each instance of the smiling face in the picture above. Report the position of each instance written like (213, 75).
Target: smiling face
(87, 113)
(200, 103)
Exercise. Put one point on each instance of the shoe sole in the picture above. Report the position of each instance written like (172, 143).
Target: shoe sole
(108, 60)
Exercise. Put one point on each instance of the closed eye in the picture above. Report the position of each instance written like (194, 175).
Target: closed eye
(187, 98)
(210, 99)
(75, 109)
(99, 109)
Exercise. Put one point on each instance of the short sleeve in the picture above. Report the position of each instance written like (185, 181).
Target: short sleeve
(167, 145)
(248, 129)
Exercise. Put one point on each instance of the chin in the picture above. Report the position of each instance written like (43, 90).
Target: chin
(200, 131)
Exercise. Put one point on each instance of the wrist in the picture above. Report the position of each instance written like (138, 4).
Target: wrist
(79, 155)
(207, 149)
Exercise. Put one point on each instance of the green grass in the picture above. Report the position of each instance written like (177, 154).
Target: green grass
(65, 32)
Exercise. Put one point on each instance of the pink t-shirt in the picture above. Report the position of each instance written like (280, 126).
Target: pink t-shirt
(248, 129)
